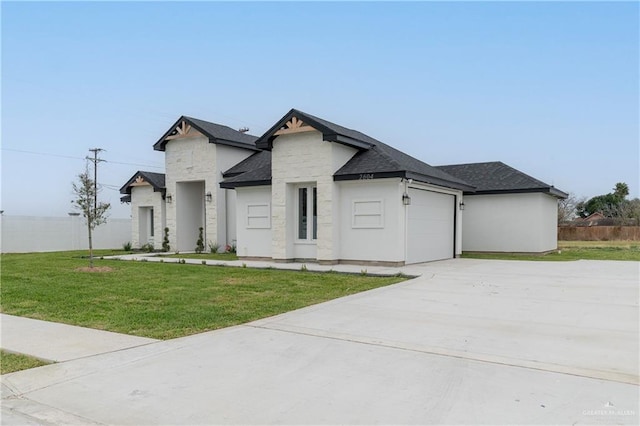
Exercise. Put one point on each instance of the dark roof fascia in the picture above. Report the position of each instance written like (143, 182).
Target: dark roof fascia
(545, 190)
(125, 199)
(440, 182)
(160, 145)
(234, 144)
(369, 176)
(345, 140)
(230, 175)
(234, 185)
(126, 188)
(402, 174)
(266, 140)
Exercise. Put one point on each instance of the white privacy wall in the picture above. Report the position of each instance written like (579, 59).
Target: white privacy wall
(366, 236)
(254, 238)
(24, 234)
(510, 223)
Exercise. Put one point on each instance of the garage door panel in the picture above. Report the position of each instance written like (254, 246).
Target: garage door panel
(430, 226)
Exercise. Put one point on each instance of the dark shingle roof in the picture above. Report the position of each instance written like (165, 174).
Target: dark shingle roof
(255, 161)
(217, 133)
(156, 180)
(255, 177)
(330, 132)
(374, 157)
(496, 177)
(390, 162)
(252, 171)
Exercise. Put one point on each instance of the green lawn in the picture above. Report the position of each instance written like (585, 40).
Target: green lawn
(575, 250)
(15, 362)
(161, 300)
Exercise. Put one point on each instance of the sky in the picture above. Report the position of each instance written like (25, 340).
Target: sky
(549, 88)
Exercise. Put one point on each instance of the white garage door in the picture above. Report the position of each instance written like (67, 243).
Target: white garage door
(431, 226)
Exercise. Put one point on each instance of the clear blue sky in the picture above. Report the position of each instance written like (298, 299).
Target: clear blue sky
(549, 88)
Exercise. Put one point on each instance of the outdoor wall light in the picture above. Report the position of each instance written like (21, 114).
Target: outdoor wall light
(461, 205)
(169, 198)
(406, 200)
(209, 197)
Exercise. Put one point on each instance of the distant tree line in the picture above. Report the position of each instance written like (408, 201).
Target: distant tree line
(613, 205)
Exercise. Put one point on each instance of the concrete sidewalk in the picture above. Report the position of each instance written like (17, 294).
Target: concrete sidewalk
(56, 342)
(412, 270)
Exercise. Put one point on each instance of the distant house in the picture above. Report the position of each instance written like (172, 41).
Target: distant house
(594, 219)
(309, 189)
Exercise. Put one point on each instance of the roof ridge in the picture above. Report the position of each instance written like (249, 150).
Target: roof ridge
(217, 124)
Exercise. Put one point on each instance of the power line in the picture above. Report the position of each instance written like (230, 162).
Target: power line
(78, 158)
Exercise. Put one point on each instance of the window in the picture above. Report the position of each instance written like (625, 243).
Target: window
(307, 213)
(258, 216)
(368, 214)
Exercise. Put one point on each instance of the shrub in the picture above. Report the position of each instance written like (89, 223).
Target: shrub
(148, 248)
(303, 268)
(200, 242)
(126, 246)
(165, 241)
(213, 247)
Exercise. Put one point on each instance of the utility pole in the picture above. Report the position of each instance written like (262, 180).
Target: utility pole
(95, 160)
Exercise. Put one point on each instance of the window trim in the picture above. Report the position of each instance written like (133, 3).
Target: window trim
(312, 225)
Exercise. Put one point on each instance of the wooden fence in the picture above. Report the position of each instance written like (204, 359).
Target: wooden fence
(599, 233)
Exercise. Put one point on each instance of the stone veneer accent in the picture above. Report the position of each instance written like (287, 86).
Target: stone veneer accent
(305, 158)
(144, 196)
(196, 159)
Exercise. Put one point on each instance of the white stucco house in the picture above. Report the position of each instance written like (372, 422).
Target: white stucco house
(311, 190)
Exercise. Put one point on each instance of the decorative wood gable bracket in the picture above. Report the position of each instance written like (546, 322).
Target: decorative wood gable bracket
(139, 182)
(183, 130)
(294, 126)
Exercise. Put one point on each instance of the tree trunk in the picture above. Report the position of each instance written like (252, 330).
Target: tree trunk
(90, 245)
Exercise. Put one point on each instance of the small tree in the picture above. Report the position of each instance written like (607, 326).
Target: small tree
(567, 208)
(94, 213)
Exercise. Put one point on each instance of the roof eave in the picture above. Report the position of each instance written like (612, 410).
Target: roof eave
(126, 188)
(345, 140)
(265, 142)
(544, 190)
(234, 144)
(161, 144)
(368, 176)
(432, 180)
(234, 185)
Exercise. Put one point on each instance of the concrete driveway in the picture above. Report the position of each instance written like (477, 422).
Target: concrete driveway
(469, 341)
